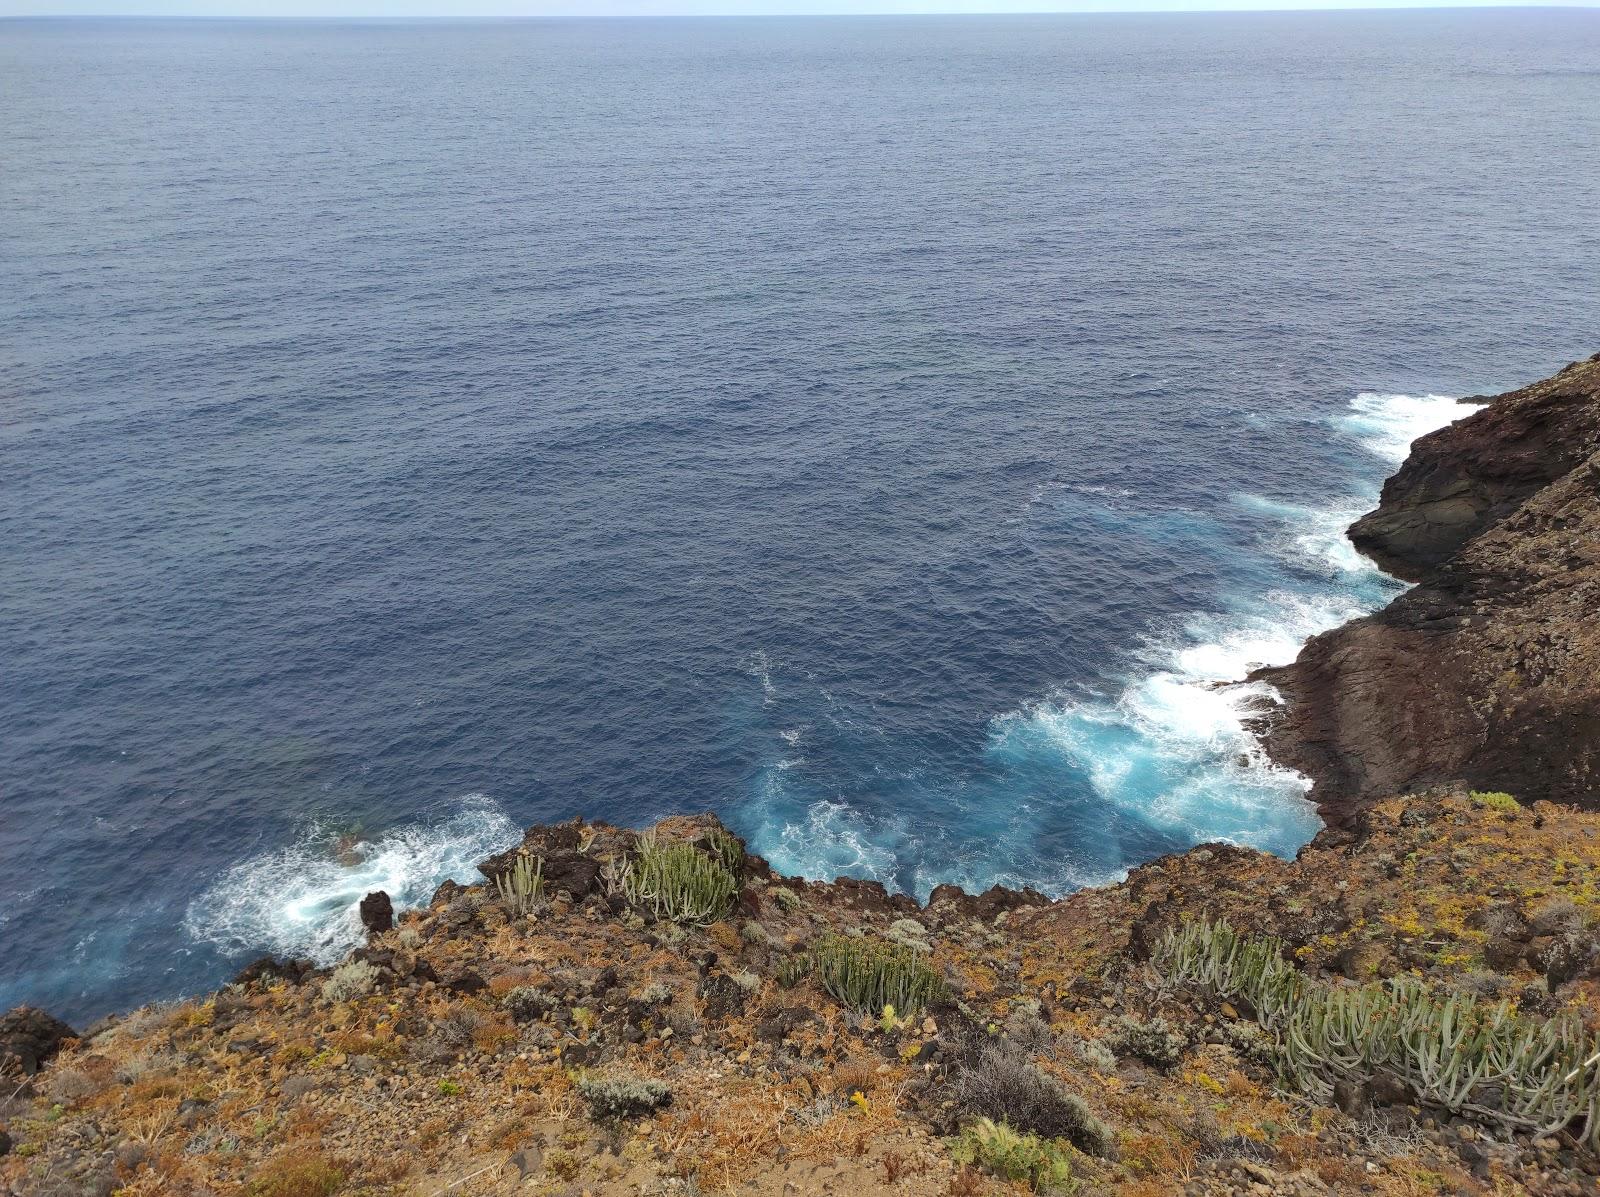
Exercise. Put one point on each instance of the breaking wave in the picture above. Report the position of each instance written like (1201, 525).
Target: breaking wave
(302, 900)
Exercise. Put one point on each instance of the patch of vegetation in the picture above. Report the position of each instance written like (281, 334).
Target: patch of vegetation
(1495, 800)
(522, 885)
(1002, 1085)
(679, 882)
(909, 933)
(787, 899)
(868, 975)
(352, 979)
(1155, 1042)
(1042, 1165)
(298, 1174)
(529, 1003)
(1455, 1051)
(612, 1098)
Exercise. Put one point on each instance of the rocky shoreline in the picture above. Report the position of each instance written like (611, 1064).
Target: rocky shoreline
(617, 1012)
(1488, 671)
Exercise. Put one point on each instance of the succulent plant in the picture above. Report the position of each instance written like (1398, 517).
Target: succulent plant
(679, 882)
(522, 885)
(868, 975)
(1456, 1051)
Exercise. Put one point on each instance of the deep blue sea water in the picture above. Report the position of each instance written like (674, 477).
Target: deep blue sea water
(885, 432)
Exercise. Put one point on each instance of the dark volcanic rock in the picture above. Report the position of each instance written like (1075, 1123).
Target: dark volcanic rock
(573, 854)
(377, 912)
(986, 906)
(268, 967)
(29, 1038)
(1464, 478)
(1488, 673)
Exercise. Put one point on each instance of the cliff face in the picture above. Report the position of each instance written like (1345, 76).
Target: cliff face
(1488, 672)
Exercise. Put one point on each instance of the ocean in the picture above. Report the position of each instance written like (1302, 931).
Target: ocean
(891, 434)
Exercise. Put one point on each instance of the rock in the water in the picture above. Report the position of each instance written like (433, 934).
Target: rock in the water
(28, 1038)
(377, 912)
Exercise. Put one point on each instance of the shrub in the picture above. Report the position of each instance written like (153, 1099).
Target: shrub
(995, 1147)
(787, 899)
(1558, 916)
(352, 979)
(612, 1098)
(522, 885)
(1455, 1051)
(1155, 1042)
(679, 882)
(1495, 800)
(1096, 1055)
(655, 993)
(869, 975)
(909, 933)
(1002, 1085)
(528, 1003)
(297, 1174)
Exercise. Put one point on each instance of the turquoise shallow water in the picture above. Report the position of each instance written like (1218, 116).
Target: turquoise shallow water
(888, 433)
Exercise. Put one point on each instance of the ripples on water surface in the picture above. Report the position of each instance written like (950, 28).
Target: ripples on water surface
(884, 432)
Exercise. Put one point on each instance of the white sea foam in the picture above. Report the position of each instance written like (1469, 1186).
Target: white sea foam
(1316, 538)
(1388, 424)
(302, 900)
(828, 839)
(1173, 744)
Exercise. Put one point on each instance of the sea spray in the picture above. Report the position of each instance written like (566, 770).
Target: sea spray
(301, 900)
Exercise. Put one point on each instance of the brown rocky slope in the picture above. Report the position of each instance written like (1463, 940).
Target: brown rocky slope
(1488, 671)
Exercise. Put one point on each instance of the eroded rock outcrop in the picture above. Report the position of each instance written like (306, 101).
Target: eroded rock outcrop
(1488, 672)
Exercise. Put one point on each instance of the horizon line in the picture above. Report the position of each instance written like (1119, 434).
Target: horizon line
(1149, 8)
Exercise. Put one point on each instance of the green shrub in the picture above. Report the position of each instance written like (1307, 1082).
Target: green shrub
(522, 885)
(868, 975)
(1040, 1163)
(787, 899)
(1456, 1051)
(679, 882)
(1495, 800)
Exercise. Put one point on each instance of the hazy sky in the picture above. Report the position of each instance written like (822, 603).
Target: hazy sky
(504, 8)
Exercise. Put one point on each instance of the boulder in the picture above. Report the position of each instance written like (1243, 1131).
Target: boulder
(377, 913)
(29, 1038)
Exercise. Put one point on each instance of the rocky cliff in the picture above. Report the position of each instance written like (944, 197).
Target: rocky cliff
(1488, 671)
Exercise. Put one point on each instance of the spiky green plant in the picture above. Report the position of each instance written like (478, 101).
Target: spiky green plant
(1456, 1051)
(725, 846)
(522, 885)
(868, 975)
(678, 882)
